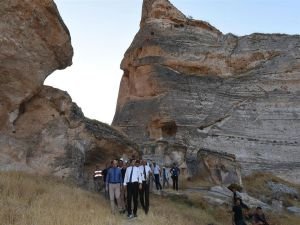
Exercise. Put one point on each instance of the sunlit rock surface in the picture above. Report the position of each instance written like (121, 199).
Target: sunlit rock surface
(41, 129)
(187, 83)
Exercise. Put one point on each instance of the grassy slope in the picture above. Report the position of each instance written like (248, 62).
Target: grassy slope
(32, 200)
(256, 186)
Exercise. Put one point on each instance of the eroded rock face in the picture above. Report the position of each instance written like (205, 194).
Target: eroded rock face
(34, 42)
(41, 129)
(52, 136)
(216, 167)
(185, 82)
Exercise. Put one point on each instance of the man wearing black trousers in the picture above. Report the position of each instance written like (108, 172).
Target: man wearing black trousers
(145, 172)
(157, 172)
(175, 171)
(133, 181)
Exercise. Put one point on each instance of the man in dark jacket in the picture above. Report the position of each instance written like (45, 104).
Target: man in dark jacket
(237, 217)
(259, 217)
(175, 171)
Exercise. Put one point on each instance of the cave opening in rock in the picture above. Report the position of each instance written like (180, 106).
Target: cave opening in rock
(162, 128)
(169, 129)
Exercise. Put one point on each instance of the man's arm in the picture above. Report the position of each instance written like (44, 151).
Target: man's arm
(120, 176)
(107, 179)
(233, 223)
(125, 178)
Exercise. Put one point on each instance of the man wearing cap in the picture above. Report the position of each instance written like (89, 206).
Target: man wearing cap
(133, 181)
(145, 172)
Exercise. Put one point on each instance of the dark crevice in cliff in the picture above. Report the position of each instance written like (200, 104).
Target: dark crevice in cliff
(218, 121)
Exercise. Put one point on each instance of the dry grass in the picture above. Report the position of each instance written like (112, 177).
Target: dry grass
(256, 186)
(33, 200)
(217, 215)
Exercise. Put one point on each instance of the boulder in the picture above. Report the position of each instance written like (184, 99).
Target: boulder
(34, 42)
(188, 84)
(251, 201)
(293, 209)
(219, 195)
(219, 168)
(279, 190)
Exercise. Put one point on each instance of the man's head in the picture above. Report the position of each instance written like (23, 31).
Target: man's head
(259, 210)
(114, 163)
(238, 201)
(132, 162)
(137, 162)
(121, 163)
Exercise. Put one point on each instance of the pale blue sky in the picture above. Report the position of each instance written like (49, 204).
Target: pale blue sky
(102, 30)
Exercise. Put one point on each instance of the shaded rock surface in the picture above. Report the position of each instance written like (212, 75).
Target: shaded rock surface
(216, 167)
(218, 195)
(295, 210)
(52, 136)
(187, 83)
(279, 190)
(41, 130)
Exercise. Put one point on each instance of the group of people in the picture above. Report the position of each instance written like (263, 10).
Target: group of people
(125, 182)
(241, 213)
(165, 174)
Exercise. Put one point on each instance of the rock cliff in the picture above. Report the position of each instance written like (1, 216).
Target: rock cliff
(41, 129)
(187, 83)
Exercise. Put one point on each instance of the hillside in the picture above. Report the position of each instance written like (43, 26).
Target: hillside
(33, 200)
(28, 199)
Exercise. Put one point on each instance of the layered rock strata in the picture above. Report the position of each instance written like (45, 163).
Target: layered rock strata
(41, 129)
(187, 83)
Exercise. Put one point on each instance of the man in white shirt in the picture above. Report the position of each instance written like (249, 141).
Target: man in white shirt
(157, 173)
(131, 181)
(145, 172)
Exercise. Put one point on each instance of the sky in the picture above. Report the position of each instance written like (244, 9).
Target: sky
(102, 30)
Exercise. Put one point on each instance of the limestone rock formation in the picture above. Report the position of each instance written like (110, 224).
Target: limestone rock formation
(188, 84)
(218, 168)
(41, 129)
(34, 42)
(52, 136)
